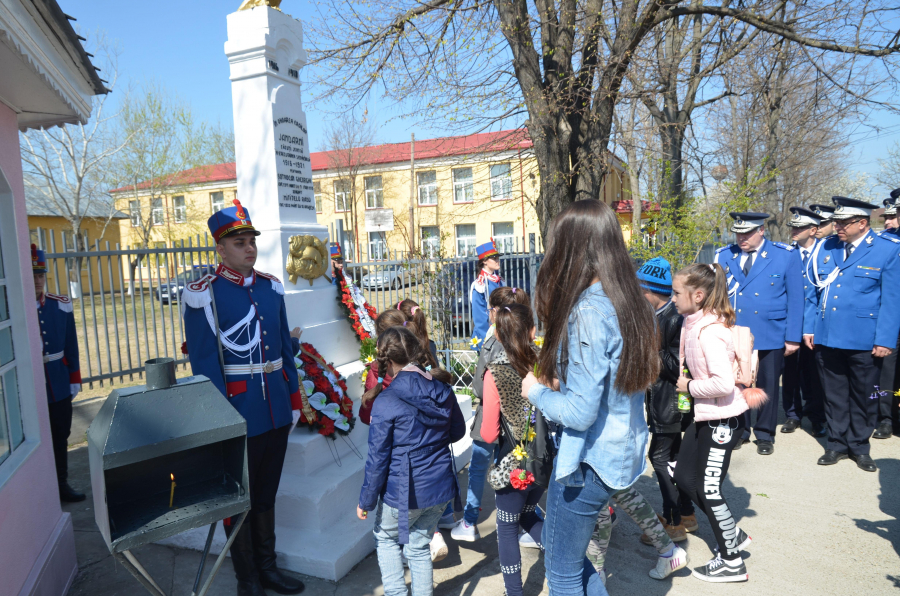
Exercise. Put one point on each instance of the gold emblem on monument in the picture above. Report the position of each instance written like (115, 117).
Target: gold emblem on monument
(308, 258)
(248, 4)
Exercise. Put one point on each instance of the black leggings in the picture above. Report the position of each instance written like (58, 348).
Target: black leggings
(515, 508)
(702, 464)
(664, 449)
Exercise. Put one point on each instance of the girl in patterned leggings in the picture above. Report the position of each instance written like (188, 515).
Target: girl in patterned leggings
(510, 417)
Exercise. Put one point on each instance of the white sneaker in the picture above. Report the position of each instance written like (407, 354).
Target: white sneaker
(447, 522)
(666, 566)
(526, 541)
(438, 548)
(464, 532)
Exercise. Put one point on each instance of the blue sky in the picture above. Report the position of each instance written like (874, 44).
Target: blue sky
(180, 45)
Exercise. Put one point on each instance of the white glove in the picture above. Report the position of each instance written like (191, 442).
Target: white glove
(295, 416)
(74, 388)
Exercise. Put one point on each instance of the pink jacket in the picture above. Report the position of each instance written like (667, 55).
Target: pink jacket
(710, 357)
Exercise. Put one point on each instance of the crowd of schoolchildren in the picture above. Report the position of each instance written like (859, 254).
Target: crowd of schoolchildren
(622, 353)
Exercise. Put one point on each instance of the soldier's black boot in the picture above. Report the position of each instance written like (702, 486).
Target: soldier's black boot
(270, 576)
(242, 558)
(67, 494)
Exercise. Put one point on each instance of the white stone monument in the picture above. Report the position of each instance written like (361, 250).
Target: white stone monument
(317, 530)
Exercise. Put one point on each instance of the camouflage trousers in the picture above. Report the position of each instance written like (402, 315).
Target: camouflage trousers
(633, 503)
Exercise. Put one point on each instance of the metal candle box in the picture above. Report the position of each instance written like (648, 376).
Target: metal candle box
(144, 435)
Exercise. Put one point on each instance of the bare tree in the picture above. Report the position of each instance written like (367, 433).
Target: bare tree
(557, 65)
(889, 174)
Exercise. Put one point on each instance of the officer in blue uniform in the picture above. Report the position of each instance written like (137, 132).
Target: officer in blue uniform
(765, 284)
(855, 325)
(888, 415)
(61, 368)
(826, 213)
(337, 262)
(237, 335)
(801, 377)
(487, 281)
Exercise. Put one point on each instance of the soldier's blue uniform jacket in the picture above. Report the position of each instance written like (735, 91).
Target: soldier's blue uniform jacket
(770, 299)
(809, 287)
(890, 232)
(856, 301)
(60, 346)
(255, 336)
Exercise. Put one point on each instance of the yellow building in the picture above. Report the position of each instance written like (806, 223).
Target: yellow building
(460, 190)
(53, 233)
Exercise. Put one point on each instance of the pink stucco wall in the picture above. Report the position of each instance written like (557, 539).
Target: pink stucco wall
(36, 538)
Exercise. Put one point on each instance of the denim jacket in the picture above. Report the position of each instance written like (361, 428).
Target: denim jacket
(604, 428)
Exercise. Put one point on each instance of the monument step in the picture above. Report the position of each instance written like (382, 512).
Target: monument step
(330, 554)
(322, 499)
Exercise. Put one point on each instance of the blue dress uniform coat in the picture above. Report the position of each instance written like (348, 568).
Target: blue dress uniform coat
(858, 309)
(254, 331)
(480, 294)
(60, 346)
(769, 300)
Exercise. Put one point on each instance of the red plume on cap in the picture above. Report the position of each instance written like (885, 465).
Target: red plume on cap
(240, 209)
(34, 249)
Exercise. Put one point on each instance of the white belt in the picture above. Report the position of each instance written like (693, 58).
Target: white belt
(249, 369)
(53, 357)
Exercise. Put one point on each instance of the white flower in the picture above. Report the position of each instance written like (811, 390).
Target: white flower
(309, 386)
(342, 424)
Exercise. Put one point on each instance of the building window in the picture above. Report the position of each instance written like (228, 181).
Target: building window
(39, 238)
(157, 214)
(501, 182)
(463, 188)
(427, 188)
(465, 240)
(12, 433)
(159, 259)
(377, 245)
(317, 191)
(179, 208)
(374, 193)
(217, 200)
(504, 237)
(341, 195)
(431, 241)
(134, 207)
(69, 245)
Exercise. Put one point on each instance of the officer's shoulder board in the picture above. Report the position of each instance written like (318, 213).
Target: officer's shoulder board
(783, 245)
(724, 248)
(891, 237)
(196, 294)
(63, 302)
(276, 283)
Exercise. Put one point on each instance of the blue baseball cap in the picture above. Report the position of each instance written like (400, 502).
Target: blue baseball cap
(656, 275)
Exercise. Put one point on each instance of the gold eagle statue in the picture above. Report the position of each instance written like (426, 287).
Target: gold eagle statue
(308, 259)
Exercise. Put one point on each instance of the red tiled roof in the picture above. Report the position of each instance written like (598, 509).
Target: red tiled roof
(222, 172)
(628, 206)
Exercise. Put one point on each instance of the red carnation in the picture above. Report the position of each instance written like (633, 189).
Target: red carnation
(184, 348)
(327, 427)
(520, 479)
(322, 384)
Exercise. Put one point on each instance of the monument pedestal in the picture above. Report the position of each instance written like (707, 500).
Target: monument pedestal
(317, 530)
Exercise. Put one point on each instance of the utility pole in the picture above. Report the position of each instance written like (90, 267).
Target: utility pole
(412, 192)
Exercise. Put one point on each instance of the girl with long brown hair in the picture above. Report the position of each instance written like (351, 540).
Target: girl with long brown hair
(600, 346)
(390, 317)
(700, 293)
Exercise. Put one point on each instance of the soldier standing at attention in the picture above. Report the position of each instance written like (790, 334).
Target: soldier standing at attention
(857, 274)
(487, 281)
(253, 367)
(61, 369)
(766, 289)
(826, 212)
(801, 377)
(337, 263)
(888, 415)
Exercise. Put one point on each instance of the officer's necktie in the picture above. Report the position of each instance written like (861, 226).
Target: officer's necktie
(805, 254)
(748, 262)
(848, 251)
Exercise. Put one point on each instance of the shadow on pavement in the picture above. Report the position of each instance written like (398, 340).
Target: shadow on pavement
(889, 529)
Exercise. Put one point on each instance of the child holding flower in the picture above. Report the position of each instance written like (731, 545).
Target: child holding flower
(516, 423)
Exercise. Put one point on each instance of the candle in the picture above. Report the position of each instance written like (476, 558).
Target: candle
(172, 492)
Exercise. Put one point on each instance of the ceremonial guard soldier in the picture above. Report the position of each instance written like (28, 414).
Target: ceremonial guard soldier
(888, 415)
(61, 368)
(765, 284)
(826, 213)
(801, 377)
(487, 281)
(855, 326)
(337, 262)
(237, 335)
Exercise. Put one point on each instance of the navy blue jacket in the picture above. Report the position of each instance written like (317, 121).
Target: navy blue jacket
(264, 337)
(60, 346)
(409, 464)
(770, 299)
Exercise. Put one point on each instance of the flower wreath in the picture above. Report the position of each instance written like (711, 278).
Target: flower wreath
(353, 303)
(326, 406)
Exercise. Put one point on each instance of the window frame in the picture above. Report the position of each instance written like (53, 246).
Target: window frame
(502, 180)
(176, 209)
(377, 194)
(318, 196)
(157, 208)
(470, 250)
(430, 188)
(134, 210)
(377, 238)
(212, 201)
(430, 246)
(343, 194)
(457, 186)
(506, 243)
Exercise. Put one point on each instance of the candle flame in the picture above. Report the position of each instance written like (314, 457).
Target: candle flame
(172, 476)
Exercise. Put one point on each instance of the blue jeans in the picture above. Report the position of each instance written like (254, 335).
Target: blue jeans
(570, 517)
(422, 524)
(478, 465)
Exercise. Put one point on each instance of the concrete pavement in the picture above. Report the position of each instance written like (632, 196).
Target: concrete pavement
(816, 530)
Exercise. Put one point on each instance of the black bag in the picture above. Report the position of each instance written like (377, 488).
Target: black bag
(540, 451)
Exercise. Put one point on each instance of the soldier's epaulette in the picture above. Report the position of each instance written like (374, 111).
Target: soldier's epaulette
(196, 294)
(890, 237)
(783, 245)
(65, 304)
(276, 283)
(726, 247)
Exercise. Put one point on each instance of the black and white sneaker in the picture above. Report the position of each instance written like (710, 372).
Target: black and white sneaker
(744, 541)
(719, 571)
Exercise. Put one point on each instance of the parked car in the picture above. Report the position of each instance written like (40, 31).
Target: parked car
(172, 290)
(388, 276)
